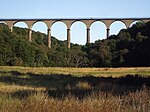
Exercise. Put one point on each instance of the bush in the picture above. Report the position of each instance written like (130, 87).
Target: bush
(15, 62)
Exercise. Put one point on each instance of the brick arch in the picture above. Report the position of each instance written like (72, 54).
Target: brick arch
(21, 22)
(69, 22)
(59, 21)
(131, 24)
(3, 22)
(83, 24)
(39, 21)
(102, 31)
(98, 21)
(79, 21)
(119, 21)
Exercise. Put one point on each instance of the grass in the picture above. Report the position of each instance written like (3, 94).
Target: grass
(96, 102)
(105, 72)
(25, 89)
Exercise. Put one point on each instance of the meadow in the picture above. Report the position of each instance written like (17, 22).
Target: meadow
(55, 89)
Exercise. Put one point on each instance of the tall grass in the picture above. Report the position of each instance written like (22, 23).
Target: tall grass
(25, 89)
(95, 102)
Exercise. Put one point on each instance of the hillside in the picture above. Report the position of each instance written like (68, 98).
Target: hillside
(131, 47)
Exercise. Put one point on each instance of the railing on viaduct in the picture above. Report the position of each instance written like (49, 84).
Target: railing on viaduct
(69, 22)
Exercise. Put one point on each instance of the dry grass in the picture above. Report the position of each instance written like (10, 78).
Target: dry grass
(12, 88)
(96, 102)
(105, 72)
(83, 85)
(25, 89)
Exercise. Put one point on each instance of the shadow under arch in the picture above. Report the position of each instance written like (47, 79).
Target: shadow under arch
(59, 26)
(121, 25)
(98, 30)
(78, 34)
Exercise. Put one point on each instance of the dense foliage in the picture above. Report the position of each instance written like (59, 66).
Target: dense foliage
(131, 47)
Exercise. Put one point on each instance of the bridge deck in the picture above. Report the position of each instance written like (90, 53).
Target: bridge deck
(46, 19)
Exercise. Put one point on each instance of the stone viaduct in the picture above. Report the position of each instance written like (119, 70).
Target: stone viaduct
(69, 22)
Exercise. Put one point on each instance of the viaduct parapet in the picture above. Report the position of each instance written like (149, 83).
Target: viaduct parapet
(88, 22)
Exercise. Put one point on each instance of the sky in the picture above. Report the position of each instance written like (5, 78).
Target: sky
(26, 9)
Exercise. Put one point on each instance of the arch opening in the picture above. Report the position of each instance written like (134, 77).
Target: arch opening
(3, 25)
(116, 26)
(20, 28)
(59, 30)
(3, 22)
(98, 31)
(20, 24)
(78, 33)
(135, 23)
(40, 27)
(40, 37)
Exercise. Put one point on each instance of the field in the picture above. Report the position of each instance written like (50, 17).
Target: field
(25, 89)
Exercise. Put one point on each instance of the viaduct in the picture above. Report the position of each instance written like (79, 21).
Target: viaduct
(69, 22)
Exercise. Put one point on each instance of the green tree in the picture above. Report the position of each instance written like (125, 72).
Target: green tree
(105, 55)
(139, 38)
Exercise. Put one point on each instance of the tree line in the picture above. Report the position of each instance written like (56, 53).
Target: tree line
(129, 48)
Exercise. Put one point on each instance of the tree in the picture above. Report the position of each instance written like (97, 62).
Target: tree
(25, 51)
(139, 38)
(129, 48)
(78, 57)
(105, 55)
(40, 58)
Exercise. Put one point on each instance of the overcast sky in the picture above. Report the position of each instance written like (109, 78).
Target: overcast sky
(75, 9)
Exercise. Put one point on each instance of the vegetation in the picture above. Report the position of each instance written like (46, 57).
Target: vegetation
(80, 72)
(61, 90)
(130, 48)
(56, 89)
(133, 102)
